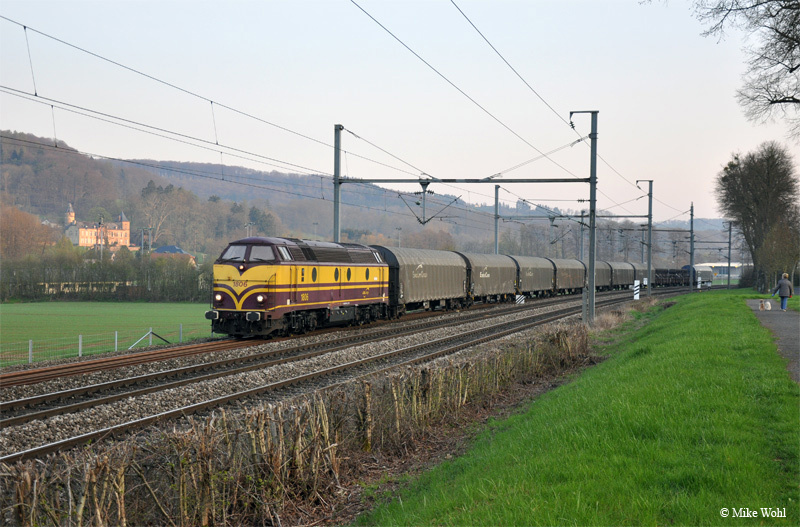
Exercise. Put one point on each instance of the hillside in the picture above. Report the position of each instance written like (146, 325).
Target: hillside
(202, 206)
(43, 178)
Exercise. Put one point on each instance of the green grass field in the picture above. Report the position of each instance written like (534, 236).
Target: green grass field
(692, 414)
(54, 326)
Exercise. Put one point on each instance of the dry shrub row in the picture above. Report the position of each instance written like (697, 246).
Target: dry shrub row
(242, 467)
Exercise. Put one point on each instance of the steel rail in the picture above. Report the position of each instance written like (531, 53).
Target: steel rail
(36, 375)
(319, 349)
(42, 374)
(33, 376)
(489, 333)
(322, 348)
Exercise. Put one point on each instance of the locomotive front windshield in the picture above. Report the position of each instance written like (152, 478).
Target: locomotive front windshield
(239, 253)
(234, 253)
(262, 253)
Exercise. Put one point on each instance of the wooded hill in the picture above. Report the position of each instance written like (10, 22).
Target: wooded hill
(201, 207)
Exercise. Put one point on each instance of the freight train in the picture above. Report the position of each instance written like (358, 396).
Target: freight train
(280, 286)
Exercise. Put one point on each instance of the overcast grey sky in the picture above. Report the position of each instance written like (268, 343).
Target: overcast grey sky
(666, 94)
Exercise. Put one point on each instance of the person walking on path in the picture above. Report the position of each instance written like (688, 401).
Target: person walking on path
(784, 290)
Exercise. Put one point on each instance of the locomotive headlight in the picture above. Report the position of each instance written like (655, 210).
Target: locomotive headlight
(241, 267)
(260, 299)
(218, 297)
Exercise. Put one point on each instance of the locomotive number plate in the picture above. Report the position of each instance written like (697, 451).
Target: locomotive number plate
(240, 283)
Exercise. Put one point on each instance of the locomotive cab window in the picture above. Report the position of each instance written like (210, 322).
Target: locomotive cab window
(285, 255)
(262, 253)
(234, 253)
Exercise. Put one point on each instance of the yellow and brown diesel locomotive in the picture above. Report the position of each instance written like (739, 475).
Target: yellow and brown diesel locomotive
(265, 286)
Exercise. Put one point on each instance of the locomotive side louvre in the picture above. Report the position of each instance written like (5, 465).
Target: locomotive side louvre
(537, 276)
(570, 275)
(490, 276)
(423, 278)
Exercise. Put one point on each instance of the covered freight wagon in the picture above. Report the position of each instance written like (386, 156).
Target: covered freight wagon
(621, 275)
(424, 279)
(602, 274)
(492, 277)
(639, 272)
(570, 275)
(537, 276)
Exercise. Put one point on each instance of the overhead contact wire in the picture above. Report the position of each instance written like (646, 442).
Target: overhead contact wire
(462, 92)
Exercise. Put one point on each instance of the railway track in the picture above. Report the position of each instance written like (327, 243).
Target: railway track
(196, 373)
(86, 396)
(319, 377)
(372, 364)
(43, 374)
(38, 375)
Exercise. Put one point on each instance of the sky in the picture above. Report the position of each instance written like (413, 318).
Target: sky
(262, 84)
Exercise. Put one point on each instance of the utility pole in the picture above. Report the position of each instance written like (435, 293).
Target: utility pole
(338, 181)
(496, 219)
(730, 233)
(100, 230)
(691, 248)
(581, 251)
(337, 162)
(398, 229)
(643, 244)
(649, 235)
(592, 218)
(424, 185)
(592, 213)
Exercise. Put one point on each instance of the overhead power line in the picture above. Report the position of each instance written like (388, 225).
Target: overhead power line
(182, 90)
(512, 68)
(232, 179)
(462, 92)
(152, 130)
(163, 82)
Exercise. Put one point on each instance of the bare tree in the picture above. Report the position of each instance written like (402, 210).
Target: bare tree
(771, 87)
(759, 191)
(780, 251)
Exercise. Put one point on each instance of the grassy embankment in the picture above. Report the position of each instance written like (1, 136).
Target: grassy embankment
(54, 326)
(691, 414)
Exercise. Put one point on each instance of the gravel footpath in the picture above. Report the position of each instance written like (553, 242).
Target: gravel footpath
(30, 435)
(785, 326)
